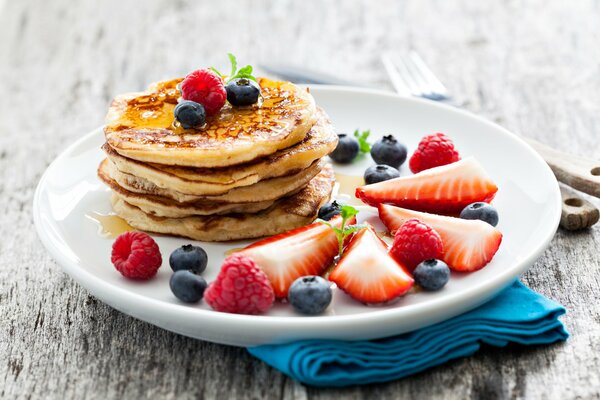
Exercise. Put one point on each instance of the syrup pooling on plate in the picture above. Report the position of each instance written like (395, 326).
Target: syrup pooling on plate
(109, 225)
(233, 250)
(345, 186)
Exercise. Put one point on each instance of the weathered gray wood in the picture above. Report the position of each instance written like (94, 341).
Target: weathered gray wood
(530, 66)
(580, 173)
(577, 212)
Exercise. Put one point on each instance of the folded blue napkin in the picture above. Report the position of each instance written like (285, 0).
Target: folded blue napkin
(517, 315)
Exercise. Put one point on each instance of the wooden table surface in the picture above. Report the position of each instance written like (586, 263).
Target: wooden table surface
(533, 67)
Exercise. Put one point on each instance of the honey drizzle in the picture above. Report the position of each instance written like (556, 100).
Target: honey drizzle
(234, 250)
(346, 185)
(109, 225)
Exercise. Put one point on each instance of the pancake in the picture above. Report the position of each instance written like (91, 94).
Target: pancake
(165, 207)
(140, 126)
(320, 141)
(287, 213)
(269, 189)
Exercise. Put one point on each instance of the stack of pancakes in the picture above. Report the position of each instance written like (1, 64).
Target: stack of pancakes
(249, 172)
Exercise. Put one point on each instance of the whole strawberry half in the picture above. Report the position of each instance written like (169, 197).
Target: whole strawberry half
(368, 273)
(308, 250)
(469, 245)
(446, 189)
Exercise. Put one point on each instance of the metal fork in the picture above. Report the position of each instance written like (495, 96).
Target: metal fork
(410, 76)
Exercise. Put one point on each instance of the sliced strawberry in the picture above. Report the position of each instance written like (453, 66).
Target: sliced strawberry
(468, 244)
(308, 250)
(445, 189)
(368, 273)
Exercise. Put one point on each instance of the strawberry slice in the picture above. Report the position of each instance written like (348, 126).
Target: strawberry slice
(445, 189)
(308, 250)
(468, 244)
(368, 273)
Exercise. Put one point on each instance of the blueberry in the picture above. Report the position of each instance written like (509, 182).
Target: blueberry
(190, 114)
(380, 173)
(187, 286)
(346, 150)
(310, 295)
(329, 210)
(189, 258)
(482, 211)
(388, 151)
(242, 92)
(431, 274)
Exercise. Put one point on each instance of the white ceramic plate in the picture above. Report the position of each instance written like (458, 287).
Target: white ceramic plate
(528, 202)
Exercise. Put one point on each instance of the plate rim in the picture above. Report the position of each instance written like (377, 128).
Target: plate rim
(475, 295)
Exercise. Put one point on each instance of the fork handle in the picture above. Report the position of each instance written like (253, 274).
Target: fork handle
(580, 173)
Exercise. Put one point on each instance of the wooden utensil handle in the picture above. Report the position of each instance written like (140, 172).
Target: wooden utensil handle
(578, 172)
(577, 213)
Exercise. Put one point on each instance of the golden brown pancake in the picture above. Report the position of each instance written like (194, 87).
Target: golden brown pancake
(269, 189)
(287, 213)
(140, 126)
(320, 141)
(164, 207)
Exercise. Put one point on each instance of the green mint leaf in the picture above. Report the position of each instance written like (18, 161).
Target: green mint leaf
(244, 72)
(347, 212)
(233, 62)
(247, 70)
(215, 71)
(363, 144)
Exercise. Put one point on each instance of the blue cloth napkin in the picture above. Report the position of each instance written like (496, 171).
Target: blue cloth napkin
(517, 315)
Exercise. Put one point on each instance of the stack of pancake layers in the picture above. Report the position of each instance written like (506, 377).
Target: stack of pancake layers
(249, 172)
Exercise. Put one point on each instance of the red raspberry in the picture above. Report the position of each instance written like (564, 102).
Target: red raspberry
(205, 87)
(415, 242)
(136, 255)
(434, 150)
(240, 288)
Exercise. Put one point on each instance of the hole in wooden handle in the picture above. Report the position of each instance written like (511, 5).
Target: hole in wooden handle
(574, 202)
(595, 171)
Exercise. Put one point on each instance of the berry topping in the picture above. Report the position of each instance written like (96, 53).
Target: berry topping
(380, 173)
(346, 150)
(242, 92)
(329, 210)
(389, 151)
(187, 286)
(482, 211)
(240, 288)
(416, 242)
(136, 255)
(310, 295)
(367, 272)
(468, 244)
(445, 189)
(431, 274)
(205, 87)
(434, 150)
(189, 258)
(308, 250)
(190, 114)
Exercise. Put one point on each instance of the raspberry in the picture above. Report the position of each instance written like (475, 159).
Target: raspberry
(205, 87)
(240, 288)
(434, 150)
(415, 242)
(136, 255)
